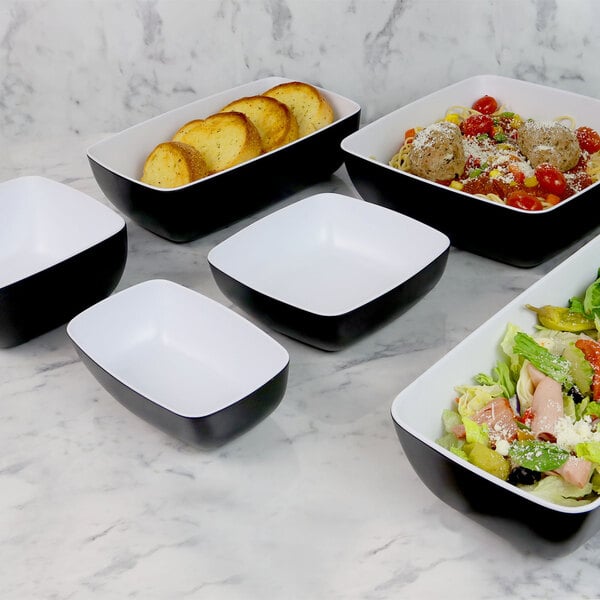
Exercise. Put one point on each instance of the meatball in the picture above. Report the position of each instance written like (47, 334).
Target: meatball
(437, 152)
(549, 142)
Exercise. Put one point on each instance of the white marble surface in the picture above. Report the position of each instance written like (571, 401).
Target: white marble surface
(85, 66)
(318, 500)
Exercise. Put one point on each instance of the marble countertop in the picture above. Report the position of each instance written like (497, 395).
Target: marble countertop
(317, 501)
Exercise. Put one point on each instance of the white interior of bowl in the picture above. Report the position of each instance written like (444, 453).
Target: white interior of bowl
(178, 348)
(329, 253)
(378, 141)
(418, 408)
(43, 222)
(125, 152)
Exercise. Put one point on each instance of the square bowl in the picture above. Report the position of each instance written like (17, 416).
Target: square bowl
(185, 213)
(327, 269)
(183, 362)
(60, 252)
(524, 519)
(511, 235)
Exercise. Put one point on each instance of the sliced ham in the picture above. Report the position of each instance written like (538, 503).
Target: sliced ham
(459, 431)
(576, 471)
(500, 419)
(535, 375)
(547, 409)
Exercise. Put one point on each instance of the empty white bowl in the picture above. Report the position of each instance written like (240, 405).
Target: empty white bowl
(182, 361)
(328, 268)
(60, 252)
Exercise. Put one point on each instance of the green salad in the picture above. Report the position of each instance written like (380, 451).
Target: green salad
(534, 421)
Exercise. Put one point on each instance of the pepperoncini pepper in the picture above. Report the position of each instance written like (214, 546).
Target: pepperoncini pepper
(562, 319)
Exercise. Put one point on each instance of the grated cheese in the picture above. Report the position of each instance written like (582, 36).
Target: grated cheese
(569, 433)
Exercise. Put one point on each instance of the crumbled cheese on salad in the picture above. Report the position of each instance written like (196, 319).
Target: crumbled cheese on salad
(503, 447)
(569, 433)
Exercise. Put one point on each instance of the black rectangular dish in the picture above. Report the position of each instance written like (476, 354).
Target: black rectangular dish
(181, 361)
(533, 523)
(510, 235)
(185, 213)
(330, 268)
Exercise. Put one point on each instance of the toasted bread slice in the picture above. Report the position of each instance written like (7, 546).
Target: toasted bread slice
(275, 122)
(224, 139)
(172, 164)
(309, 106)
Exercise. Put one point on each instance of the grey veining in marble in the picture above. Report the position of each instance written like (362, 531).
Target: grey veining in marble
(84, 66)
(317, 501)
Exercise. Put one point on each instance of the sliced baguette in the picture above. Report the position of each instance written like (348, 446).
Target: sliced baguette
(224, 139)
(275, 122)
(172, 164)
(309, 106)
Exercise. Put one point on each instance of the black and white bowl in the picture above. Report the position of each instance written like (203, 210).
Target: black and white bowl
(529, 522)
(60, 252)
(510, 235)
(329, 268)
(181, 361)
(188, 212)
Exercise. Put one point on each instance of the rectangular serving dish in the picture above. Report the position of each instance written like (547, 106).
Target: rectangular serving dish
(186, 213)
(529, 522)
(510, 235)
(330, 268)
(181, 361)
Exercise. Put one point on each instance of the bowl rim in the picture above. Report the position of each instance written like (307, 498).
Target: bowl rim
(267, 81)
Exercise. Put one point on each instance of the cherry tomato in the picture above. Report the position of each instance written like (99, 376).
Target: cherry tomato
(577, 182)
(485, 105)
(517, 174)
(581, 165)
(588, 138)
(551, 180)
(477, 125)
(523, 200)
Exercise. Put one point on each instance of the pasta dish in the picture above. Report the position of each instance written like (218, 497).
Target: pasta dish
(493, 153)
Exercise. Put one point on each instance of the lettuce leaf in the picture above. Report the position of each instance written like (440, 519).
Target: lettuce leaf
(543, 360)
(500, 376)
(450, 419)
(589, 450)
(474, 432)
(507, 344)
(473, 398)
(591, 299)
(555, 489)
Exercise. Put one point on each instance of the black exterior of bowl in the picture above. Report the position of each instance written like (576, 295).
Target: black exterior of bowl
(528, 526)
(208, 431)
(332, 332)
(50, 298)
(187, 213)
(517, 238)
